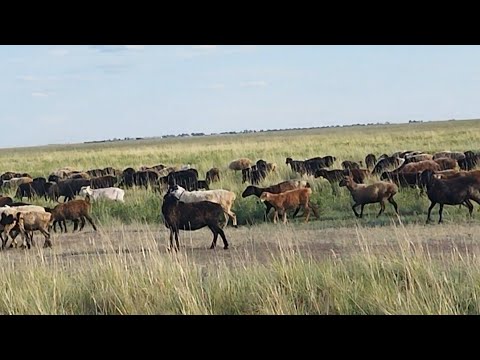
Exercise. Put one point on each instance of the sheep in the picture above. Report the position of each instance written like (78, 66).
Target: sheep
(402, 179)
(192, 216)
(274, 189)
(5, 200)
(75, 210)
(358, 175)
(296, 165)
(240, 164)
(291, 199)
(446, 163)
(223, 197)
(370, 161)
(470, 162)
(7, 210)
(449, 154)
(350, 165)
(420, 166)
(368, 194)
(271, 167)
(386, 163)
(212, 175)
(333, 176)
(30, 221)
(110, 193)
(417, 158)
(454, 191)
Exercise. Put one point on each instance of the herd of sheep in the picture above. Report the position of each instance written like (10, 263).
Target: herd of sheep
(449, 178)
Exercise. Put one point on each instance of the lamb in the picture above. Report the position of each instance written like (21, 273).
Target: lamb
(274, 189)
(291, 199)
(31, 221)
(223, 197)
(368, 194)
(192, 216)
(454, 191)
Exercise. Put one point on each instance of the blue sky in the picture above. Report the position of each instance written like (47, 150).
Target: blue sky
(69, 94)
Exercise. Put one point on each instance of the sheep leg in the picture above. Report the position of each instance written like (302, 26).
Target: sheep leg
(82, 223)
(177, 247)
(215, 232)
(440, 212)
(91, 222)
(395, 206)
(382, 208)
(307, 212)
(296, 212)
(355, 211)
(361, 210)
(171, 238)
(275, 216)
(284, 216)
(48, 242)
(267, 210)
(233, 216)
(224, 239)
(468, 204)
(430, 211)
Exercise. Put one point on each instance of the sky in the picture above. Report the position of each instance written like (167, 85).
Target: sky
(69, 94)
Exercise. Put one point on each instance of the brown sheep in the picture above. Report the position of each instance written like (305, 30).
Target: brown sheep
(212, 175)
(369, 194)
(420, 166)
(274, 189)
(449, 154)
(240, 164)
(34, 221)
(192, 216)
(75, 210)
(358, 175)
(454, 191)
(417, 158)
(288, 200)
(446, 163)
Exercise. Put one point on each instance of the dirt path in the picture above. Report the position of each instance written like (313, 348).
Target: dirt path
(259, 243)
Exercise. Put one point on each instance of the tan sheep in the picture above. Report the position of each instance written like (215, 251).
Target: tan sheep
(289, 200)
(240, 164)
(369, 194)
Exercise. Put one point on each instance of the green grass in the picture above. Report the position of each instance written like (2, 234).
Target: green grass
(403, 278)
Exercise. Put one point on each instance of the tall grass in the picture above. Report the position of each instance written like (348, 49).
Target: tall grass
(404, 278)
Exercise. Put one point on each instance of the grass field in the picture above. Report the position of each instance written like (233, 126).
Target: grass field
(333, 265)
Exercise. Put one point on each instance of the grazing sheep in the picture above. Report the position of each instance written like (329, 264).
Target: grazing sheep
(223, 197)
(274, 189)
(333, 177)
(454, 191)
(110, 193)
(369, 194)
(192, 216)
(388, 163)
(240, 164)
(289, 200)
(212, 175)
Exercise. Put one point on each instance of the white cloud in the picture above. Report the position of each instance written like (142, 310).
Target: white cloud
(59, 52)
(39, 94)
(257, 83)
(134, 47)
(204, 47)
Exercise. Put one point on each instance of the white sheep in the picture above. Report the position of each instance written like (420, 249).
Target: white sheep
(111, 193)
